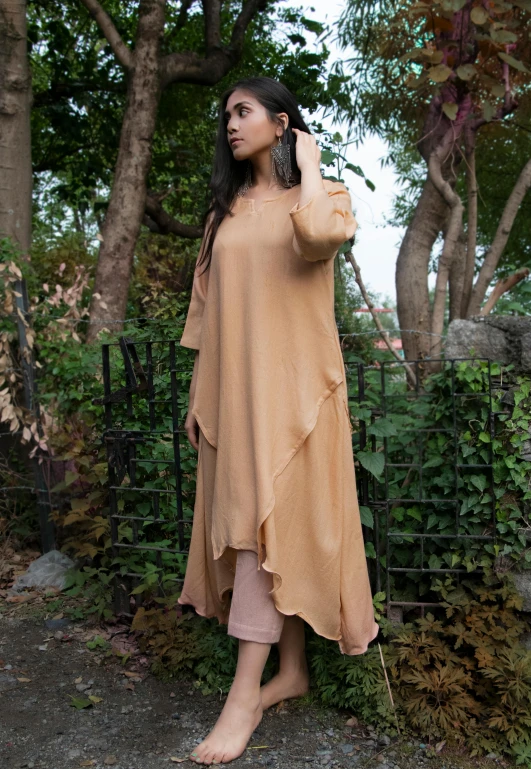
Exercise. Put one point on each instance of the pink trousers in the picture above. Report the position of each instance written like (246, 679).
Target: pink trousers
(253, 615)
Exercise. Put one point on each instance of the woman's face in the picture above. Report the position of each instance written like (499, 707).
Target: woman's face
(247, 120)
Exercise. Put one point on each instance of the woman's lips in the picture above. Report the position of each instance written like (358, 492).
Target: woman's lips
(235, 142)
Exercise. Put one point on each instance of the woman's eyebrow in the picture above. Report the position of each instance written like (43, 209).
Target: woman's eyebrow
(240, 103)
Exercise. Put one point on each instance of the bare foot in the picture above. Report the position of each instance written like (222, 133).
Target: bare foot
(228, 739)
(285, 685)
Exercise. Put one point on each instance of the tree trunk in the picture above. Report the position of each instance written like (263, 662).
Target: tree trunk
(413, 304)
(128, 195)
(457, 276)
(15, 136)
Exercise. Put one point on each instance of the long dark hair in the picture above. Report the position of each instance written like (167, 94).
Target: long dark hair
(228, 174)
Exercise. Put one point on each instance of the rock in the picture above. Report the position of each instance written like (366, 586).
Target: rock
(57, 624)
(384, 739)
(345, 748)
(502, 338)
(522, 582)
(7, 681)
(49, 570)
(492, 755)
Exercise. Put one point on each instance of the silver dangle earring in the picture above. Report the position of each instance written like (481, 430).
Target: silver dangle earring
(247, 184)
(281, 162)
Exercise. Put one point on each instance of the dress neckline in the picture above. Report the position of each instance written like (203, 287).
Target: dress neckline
(252, 201)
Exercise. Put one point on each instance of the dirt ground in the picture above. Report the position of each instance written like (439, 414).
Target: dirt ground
(78, 693)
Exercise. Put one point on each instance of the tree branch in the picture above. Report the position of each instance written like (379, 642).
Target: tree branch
(188, 67)
(495, 251)
(105, 23)
(166, 224)
(59, 91)
(472, 194)
(349, 257)
(501, 287)
(212, 19)
(455, 222)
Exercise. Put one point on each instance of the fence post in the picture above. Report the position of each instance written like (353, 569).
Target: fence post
(47, 526)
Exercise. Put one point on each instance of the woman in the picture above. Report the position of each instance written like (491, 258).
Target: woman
(276, 518)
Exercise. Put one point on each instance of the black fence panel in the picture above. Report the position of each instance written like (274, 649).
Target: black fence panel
(418, 463)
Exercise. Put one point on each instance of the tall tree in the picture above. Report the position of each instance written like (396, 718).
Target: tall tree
(444, 70)
(15, 137)
(149, 71)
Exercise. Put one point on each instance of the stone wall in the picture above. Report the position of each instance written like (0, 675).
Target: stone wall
(502, 338)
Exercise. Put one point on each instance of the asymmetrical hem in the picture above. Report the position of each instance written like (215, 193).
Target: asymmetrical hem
(275, 471)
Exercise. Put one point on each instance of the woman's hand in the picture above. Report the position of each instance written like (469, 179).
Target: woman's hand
(307, 152)
(192, 430)
(309, 162)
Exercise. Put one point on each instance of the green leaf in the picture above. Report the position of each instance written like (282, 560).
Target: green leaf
(479, 481)
(498, 89)
(440, 73)
(382, 428)
(297, 39)
(434, 462)
(370, 552)
(355, 169)
(79, 703)
(503, 36)
(370, 184)
(512, 62)
(466, 71)
(450, 109)
(479, 15)
(372, 462)
(489, 110)
(328, 157)
(367, 517)
(312, 26)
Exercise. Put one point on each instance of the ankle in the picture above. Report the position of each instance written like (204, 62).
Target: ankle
(244, 692)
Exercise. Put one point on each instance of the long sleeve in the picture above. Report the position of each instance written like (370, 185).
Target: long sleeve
(192, 328)
(324, 223)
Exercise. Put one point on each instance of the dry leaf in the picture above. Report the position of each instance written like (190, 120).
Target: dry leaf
(178, 760)
(78, 680)
(18, 598)
(90, 762)
(24, 680)
(93, 698)
(109, 760)
(130, 674)
(352, 721)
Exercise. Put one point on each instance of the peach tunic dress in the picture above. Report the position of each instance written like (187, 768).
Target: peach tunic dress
(275, 469)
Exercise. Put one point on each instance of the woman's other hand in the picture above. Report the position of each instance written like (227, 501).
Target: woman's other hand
(192, 430)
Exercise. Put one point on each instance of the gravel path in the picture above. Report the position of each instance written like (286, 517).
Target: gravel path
(136, 721)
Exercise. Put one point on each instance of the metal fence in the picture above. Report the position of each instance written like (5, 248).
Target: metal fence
(152, 470)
